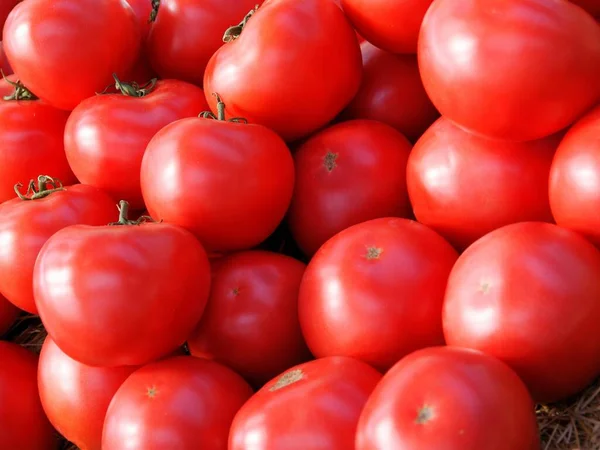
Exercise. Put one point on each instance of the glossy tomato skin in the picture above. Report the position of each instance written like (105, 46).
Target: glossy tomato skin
(142, 70)
(106, 136)
(6, 6)
(347, 174)
(142, 10)
(464, 186)
(495, 294)
(317, 404)
(75, 397)
(228, 183)
(23, 424)
(184, 403)
(135, 292)
(251, 319)
(8, 315)
(474, 77)
(374, 292)
(43, 40)
(445, 398)
(4, 64)
(26, 225)
(281, 76)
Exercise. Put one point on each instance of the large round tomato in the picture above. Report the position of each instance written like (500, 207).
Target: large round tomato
(316, 404)
(121, 295)
(180, 403)
(591, 6)
(8, 315)
(251, 319)
(529, 294)
(23, 424)
(293, 67)
(445, 398)
(4, 64)
(106, 135)
(67, 50)
(346, 174)
(464, 186)
(375, 292)
(75, 396)
(510, 69)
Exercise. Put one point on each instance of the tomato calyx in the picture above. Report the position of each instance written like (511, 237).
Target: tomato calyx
(154, 12)
(45, 186)
(330, 161)
(235, 31)
(220, 112)
(123, 208)
(373, 253)
(291, 377)
(20, 92)
(131, 89)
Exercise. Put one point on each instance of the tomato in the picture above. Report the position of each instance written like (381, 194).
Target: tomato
(251, 319)
(183, 403)
(6, 6)
(293, 67)
(510, 69)
(122, 294)
(346, 174)
(388, 24)
(75, 396)
(4, 64)
(142, 10)
(67, 50)
(27, 223)
(464, 186)
(317, 404)
(229, 183)
(444, 398)
(528, 294)
(8, 315)
(23, 424)
(591, 6)
(124, 121)
(142, 70)
(374, 292)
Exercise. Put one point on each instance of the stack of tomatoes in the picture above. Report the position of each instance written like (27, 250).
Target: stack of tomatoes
(372, 223)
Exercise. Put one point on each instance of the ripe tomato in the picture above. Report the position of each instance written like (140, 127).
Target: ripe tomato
(142, 70)
(6, 6)
(251, 319)
(510, 69)
(229, 183)
(121, 295)
(142, 10)
(75, 396)
(591, 6)
(464, 186)
(528, 295)
(392, 92)
(374, 292)
(182, 403)
(23, 424)
(106, 135)
(316, 404)
(293, 68)
(8, 315)
(4, 64)
(66, 50)
(446, 398)
(346, 174)
(389, 24)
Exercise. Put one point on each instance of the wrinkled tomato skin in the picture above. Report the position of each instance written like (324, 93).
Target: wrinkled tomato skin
(180, 403)
(464, 186)
(8, 315)
(528, 295)
(75, 397)
(375, 291)
(317, 403)
(445, 398)
(347, 174)
(106, 136)
(26, 225)
(523, 72)
(4, 64)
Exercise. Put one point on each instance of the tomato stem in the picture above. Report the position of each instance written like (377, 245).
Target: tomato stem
(45, 186)
(154, 12)
(131, 89)
(234, 32)
(123, 208)
(220, 112)
(20, 92)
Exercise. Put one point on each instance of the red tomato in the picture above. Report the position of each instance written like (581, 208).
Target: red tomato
(293, 68)
(392, 92)
(142, 10)
(346, 174)
(528, 295)
(511, 69)
(106, 135)
(25, 225)
(23, 424)
(66, 50)
(316, 404)
(183, 403)
(374, 292)
(8, 315)
(75, 396)
(591, 6)
(575, 178)
(6, 6)
(142, 70)
(121, 295)
(251, 319)
(4, 64)
(464, 186)
(446, 398)
(391, 25)
(229, 183)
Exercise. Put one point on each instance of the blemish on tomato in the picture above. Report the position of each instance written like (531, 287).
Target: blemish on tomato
(373, 253)
(484, 287)
(151, 392)
(330, 161)
(235, 291)
(291, 377)
(424, 415)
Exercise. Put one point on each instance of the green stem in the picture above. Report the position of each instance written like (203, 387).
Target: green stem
(220, 112)
(45, 186)
(20, 92)
(234, 32)
(123, 208)
(154, 12)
